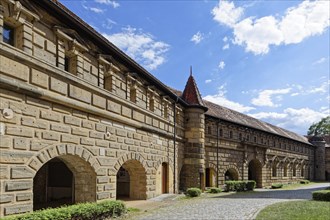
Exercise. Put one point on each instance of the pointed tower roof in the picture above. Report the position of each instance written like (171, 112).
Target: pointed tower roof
(191, 93)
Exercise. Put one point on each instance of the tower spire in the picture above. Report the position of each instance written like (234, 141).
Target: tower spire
(190, 70)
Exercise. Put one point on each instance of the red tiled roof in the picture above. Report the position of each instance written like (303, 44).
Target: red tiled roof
(191, 93)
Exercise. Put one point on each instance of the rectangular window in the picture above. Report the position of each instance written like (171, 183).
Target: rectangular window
(8, 35)
(66, 64)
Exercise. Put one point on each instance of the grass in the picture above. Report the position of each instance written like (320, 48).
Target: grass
(296, 210)
(295, 185)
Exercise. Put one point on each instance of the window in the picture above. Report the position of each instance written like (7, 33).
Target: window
(230, 134)
(152, 104)
(220, 132)
(274, 170)
(285, 170)
(255, 139)
(132, 94)
(294, 171)
(248, 137)
(66, 64)
(240, 136)
(165, 111)
(209, 130)
(8, 35)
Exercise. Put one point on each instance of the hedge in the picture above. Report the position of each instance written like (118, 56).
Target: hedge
(81, 211)
(240, 185)
(193, 192)
(321, 195)
(277, 185)
(214, 190)
(304, 181)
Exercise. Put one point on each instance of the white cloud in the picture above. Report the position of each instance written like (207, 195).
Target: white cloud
(142, 47)
(222, 65)
(265, 97)
(96, 10)
(307, 19)
(113, 4)
(221, 99)
(108, 24)
(319, 61)
(297, 120)
(197, 38)
(225, 47)
(208, 81)
(225, 39)
(323, 88)
(226, 13)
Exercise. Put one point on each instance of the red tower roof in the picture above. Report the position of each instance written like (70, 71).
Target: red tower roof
(191, 93)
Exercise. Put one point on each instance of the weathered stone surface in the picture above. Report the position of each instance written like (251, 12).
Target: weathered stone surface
(5, 198)
(14, 68)
(80, 94)
(18, 185)
(39, 78)
(16, 209)
(99, 101)
(21, 173)
(58, 86)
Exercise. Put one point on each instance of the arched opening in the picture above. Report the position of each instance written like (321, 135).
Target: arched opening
(285, 170)
(210, 177)
(294, 170)
(64, 180)
(255, 172)
(274, 169)
(231, 174)
(131, 181)
(165, 182)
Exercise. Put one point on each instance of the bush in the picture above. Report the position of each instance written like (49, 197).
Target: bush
(250, 185)
(193, 192)
(240, 185)
(82, 211)
(304, 181)
(277, 185)
(214, 190)
(321, 195)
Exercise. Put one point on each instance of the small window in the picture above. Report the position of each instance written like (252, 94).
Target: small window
(152, 104)
(255, 139)
(132, 95)
(66, 64)
(8, 35)
(220, 132)
(209, 130)
(248, 138)
(240, 136)
(230, 134)
(165, 111)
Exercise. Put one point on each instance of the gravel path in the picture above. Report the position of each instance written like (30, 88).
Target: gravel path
(233, 206)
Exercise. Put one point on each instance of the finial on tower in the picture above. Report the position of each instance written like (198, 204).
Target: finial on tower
(190, 70)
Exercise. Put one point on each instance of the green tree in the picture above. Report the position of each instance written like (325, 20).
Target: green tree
(320, 128)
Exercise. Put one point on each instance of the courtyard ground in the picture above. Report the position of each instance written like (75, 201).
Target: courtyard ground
(245, 205)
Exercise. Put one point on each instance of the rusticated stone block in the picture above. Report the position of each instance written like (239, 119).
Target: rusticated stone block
(114, 107)
(14, 156)
(58, 86)
(21, 173)
(103, 195)
(21, 185)
(23, 197)
(21, 143)
(5, 198)
(99, 101)
(52, 116)
(19, 131)
(14, 69)
(72, 120)
(16, 209)
(38, 78)
(80, 94)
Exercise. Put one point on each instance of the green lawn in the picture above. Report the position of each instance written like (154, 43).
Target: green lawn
(296, 210)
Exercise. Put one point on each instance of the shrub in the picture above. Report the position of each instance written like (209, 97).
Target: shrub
(304, 181)
(250, 185)
(82, 211)
(277, 185)
(214, 190)
(193, 192)
(240, 185)
(321, 195)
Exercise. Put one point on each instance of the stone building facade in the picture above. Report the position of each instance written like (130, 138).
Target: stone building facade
(82, 122)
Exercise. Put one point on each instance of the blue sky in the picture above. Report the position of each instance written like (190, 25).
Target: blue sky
(267, 59)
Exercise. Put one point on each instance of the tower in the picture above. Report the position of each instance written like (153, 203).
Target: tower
(192, 172)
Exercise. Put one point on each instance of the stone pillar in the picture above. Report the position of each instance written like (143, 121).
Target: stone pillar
(192, 173)
(319, 158)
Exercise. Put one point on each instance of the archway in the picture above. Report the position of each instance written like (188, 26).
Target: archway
(65, 179)
(231, 174)
(255, 172)
(210, 177)
(131, 181)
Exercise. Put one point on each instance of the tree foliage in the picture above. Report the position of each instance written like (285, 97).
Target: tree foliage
(320, 128)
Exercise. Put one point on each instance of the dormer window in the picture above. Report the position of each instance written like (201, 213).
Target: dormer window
(8, 35)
